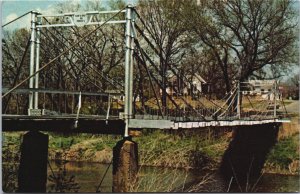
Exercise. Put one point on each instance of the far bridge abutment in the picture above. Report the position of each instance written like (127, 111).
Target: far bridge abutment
(246, 154)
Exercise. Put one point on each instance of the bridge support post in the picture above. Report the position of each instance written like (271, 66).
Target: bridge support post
(125, 165)
(275, 95)
(128, 69)
(32, 175)
(32, 55)
(238, 108)
(37, 63)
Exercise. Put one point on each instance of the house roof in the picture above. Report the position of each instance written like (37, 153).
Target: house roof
(200, 78)
(170, 74)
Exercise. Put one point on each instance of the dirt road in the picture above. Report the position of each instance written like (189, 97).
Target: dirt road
(293, 107)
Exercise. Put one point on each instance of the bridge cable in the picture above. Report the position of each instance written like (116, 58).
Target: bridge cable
(74, 76)
(143, 53)
(227, 100)
(151, 74)
(152, 63)
(141, 88)
(149, 31)
(78, 109)
(151, 83)
(263, 109)
(74, 66)
(104, 175)
(106, 78)
(264, 114)
(233, 99)
(53, 174)
(282, 102)
(250, 101)
(16, 18)
(18, 71)
(51, 61)
(108, 109)
(153, 47)
(186, 103)
(271, 103)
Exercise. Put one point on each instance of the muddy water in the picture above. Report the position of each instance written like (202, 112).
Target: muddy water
(153, 179)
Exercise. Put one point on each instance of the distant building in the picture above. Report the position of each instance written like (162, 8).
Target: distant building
(264, 88)
(289, 91)
(186, 84)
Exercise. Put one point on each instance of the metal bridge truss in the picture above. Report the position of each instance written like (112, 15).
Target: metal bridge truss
(76, 70)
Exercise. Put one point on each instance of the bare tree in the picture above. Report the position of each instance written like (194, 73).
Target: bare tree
(14, 63)
(168, 34)
(248, 38)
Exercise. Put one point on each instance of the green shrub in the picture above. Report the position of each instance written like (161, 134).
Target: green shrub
(284, 152)
(99, 146)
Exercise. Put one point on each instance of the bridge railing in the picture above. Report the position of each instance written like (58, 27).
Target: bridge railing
(65, 103)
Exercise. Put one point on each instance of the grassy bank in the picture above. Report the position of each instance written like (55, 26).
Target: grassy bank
(284, 156)
(189, 149)
(179, 149)
(156, 148)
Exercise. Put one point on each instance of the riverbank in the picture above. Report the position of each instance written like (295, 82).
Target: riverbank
(284, 156)
(176, 149)
(179, 149)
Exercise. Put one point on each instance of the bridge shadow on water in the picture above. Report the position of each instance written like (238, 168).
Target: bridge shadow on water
(245, 156)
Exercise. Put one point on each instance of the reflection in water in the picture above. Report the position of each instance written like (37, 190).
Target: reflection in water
(87, 175)
(154, 179)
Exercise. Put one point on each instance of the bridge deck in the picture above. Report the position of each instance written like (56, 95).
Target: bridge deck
(66, 124)
(114, 125)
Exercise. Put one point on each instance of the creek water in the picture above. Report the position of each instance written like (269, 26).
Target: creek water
(155, 179)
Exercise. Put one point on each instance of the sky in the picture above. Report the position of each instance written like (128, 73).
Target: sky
(11, 9)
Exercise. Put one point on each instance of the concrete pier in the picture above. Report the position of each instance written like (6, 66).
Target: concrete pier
(32, 175)
(125, 165)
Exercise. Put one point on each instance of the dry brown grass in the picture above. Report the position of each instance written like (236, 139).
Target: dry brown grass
(198, 102)
(160, 180)
(289, 129)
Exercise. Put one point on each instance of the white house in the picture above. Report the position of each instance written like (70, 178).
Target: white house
(185, 85)
(264, 88)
